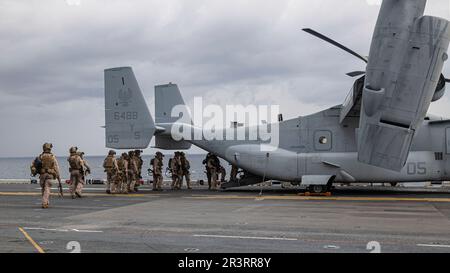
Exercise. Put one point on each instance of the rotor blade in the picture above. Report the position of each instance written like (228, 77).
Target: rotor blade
(325, 38)
(356, 73)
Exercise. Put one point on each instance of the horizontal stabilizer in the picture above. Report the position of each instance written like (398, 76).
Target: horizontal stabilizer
(166, 142)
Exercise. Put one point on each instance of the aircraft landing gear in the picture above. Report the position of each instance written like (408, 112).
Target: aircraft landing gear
(318, 190)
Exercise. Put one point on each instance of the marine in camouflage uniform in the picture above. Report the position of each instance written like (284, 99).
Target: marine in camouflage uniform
(208, 172)
(86, 169)
(175, 167)
(111, 169)
(157, 171)
(212, 168)
(139, 162)
(234, 172)
(48, 170)
(76, 167)
(122, 174)
(132, 171)
(185, 171)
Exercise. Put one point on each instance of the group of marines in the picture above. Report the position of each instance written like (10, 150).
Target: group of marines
(213, 170)
(47, 167)
(123, 173)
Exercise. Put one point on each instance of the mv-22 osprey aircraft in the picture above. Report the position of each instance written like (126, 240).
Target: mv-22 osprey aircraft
(381, 133)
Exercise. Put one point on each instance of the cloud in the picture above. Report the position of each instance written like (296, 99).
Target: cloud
(53, 56)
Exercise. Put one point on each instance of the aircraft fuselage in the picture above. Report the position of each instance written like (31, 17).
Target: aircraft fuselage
(319, 145)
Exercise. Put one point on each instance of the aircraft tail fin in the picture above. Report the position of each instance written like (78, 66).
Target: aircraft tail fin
(168, 101)
(129, 124)
(167, 97)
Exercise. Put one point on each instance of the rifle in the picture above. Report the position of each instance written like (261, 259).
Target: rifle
(61, 194)
(168, 170)
(84, 172)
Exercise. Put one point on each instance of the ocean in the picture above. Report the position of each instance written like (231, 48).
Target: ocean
(19, 168)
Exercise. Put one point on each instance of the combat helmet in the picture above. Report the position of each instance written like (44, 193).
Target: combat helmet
(73, 150)
(47, 147)
(111, 152)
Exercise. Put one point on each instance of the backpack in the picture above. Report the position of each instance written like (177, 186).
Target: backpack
(109, 162)
(74, 162)
(36, 166)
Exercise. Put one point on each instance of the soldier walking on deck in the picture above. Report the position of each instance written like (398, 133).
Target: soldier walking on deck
(185, 171)
(132, 171)
(111, 170)
(86, 169)
(212, 168)
(75, 169)
(157, 164)
(175, 168)
(47, 167)
(208, 172)
(139, 163)
(234, 172)
(122, 174)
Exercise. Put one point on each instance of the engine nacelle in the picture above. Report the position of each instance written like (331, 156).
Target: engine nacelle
(440, 89)
(405, 65)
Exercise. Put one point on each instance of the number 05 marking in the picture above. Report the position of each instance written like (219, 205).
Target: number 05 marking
(414, 168)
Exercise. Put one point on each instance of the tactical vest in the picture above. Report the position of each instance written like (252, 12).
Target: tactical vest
(74, 162)
(121, 164)
(185, 165)
(211, 163)
(48, 163)
(132, 164)
(140, 162)
(109, 163)
(158, 164)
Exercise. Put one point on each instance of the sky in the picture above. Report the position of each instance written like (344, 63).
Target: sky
(53, 54)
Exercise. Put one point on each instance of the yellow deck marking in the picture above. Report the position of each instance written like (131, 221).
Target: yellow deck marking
(38, 248)
(311, 198)
(68, 194)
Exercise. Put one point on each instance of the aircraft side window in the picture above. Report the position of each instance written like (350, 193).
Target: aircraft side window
(323, 140)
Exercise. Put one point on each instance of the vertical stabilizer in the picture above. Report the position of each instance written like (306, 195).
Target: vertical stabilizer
(129, 124)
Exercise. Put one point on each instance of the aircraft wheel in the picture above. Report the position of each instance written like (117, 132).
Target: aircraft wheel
(318, 189)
